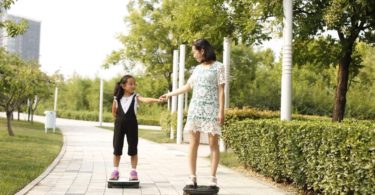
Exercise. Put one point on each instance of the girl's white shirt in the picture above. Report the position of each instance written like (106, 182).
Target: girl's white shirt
(126, 101)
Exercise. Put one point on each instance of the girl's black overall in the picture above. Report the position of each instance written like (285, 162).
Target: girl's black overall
(126, 124)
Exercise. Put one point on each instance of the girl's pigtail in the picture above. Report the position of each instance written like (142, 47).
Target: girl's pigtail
(119, 92)
(116, 90)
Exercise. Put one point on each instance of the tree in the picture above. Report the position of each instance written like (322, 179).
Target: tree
(12, 28)
(361, 101)
(12, 82)
(18, 82)
(194, 19)
(321, 54)
(41, 88)
(351, 20)
(318, 54)
(159, 27)
(366, 76)
(248, 68)
(147, 42)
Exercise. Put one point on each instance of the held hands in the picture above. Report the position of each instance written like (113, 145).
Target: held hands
(164, 98)
(158, 101)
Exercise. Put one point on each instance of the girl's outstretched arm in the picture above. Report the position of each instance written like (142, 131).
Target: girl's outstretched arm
(148, 100)
(178, 91)
(114, 108)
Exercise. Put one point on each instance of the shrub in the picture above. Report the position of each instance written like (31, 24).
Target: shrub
(236, 114)
(168, 120)
(326, 157)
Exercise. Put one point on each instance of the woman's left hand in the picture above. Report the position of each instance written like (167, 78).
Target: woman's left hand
(220, 118)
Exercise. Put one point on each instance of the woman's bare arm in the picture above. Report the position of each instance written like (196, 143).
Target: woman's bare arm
(220, 117)
(178, 91)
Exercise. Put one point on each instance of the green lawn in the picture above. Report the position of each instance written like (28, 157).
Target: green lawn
(152, 135)
(26, 155)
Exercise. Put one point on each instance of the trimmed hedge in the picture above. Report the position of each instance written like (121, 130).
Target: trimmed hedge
(107, 117)
(233, 115)
(326, 157)
(237, 114)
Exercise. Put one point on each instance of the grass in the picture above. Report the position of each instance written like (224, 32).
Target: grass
(155, 136)
(26, 155)
(229, 159)
(152, 135)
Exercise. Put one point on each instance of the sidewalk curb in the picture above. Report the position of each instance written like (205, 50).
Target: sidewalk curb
(49, 169)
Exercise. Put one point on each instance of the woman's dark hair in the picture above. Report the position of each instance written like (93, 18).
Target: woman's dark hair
(208, 54)
(119, 91)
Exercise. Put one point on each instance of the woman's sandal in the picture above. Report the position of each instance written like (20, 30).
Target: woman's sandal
(212, 182)
(192, 182)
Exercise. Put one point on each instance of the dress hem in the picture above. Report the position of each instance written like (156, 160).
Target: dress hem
(201, 131)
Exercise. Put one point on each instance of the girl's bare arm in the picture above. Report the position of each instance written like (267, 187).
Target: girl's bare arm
(147, 100)
(114, 108)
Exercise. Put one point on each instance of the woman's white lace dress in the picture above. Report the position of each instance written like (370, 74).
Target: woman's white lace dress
(204, 105)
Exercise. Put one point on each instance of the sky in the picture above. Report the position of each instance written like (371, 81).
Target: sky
(76, 35)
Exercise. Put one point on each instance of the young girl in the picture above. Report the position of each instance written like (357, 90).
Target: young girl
(124, 109)
(206, 110)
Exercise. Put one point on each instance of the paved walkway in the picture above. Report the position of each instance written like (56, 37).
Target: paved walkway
(87, 163)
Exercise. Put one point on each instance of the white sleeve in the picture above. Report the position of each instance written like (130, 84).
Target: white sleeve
(191, 79)
(221, 74)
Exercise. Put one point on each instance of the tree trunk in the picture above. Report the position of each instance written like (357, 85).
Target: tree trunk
(9, 120)
(19, 112)
(342, 85)
(28, 111)
(32, 116)
(33, 109)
